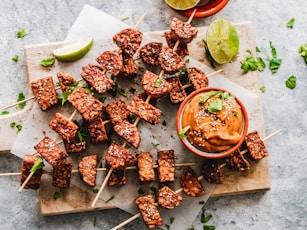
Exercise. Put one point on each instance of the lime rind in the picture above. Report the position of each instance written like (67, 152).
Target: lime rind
(74, 51)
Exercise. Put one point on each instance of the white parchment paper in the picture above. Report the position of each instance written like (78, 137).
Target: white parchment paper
(154, 138)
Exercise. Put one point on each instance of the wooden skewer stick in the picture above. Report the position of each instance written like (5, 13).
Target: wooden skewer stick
(104, 169)
(135, 123)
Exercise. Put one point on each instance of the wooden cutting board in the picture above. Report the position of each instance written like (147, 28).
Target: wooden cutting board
(256, 179)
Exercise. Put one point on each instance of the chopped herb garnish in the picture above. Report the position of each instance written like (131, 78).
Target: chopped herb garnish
(290, 23)
(21, 33)
(64, 96)
(203, 99)
(252, 63)
(132, 90)
(111, 198)
(187, 60)
(201, 202)
(102, 99)
(122, 92)
(303, 51)
(158, 82)
(274, 61)
(21, 97)
(262, 89)
(153, 190)
(168, 227)
(291, 82)
(56, 195)
(155, 144)
(94, 221)
(95, 190)
(125, 18)
(39, 164)
(47, 62)
(209, 227)
(164, 123)
(5, 112)
(183, 131)
(15, 58)
(204, 218)
(141, 191)
(215, 105)
(12, 124)
(171, 219)
(19, 128)
(113, 90)
(235, 113)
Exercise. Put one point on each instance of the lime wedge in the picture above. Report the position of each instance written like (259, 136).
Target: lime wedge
(182, 4)
(74, 51)
(222, 41)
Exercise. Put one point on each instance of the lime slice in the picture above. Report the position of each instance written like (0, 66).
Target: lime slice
(182, 4)
(74, 51)
(222, 41)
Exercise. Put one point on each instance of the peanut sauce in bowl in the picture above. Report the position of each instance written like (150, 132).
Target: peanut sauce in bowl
(212, 122)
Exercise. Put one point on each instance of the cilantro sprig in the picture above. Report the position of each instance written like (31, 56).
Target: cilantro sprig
(21, 33)
(303, 52)
(183, 132)
(252, 63)
(291, 82)
(47, 62)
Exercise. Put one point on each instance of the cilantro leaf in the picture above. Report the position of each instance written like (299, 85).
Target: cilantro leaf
(15, 58)
(39, 163)
(183, 131)
(5, 112)
(158, 82)
(275, 64)
(47, 62)
(56, 195)
(303, 51)
(21, 33)
(262, 89)
(290, 23)
(252, 63)
(209, 227)
(21, 97)
(291, 82)
(215, 105)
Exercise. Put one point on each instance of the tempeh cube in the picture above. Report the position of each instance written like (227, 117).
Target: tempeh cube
(154, 85)
(190, 184)
(96, 78)
(198, 78)
(212, 173)
(149, 211)
(63, 126)
(129, 132)
(88, 169)
(129, 68)
(117, 111)
(65, 81)
(184, 32)
(177, 93)
(117, 178)
(182, 49)
(256, 146)
(146, 167)
(111, 61)
(166, 165)
(149, 53)
(27, 163)
(128, 40)
(97, 131)
(50, 151)
(118, 156)
(144, 110)
(87, 105)
(167, 198)
(236, 161)
(44, 92)
(74, 145)
(170, 61)
(62, 174)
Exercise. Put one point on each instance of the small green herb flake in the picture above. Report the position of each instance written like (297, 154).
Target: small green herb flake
(203, 99)
(153, 190)
(291, 82)
(155, 145)
(15, 58)
(123, 93)
(262, 89)
(111, 198)
(209, 227)
(201, 202)
(167, 226)
(183, 132)
(275, 63)
(164, 123)
(47, 62)
(171, 219)
(125, 18)
(303, 51)
(102, 99)
(95, 190)
(21, 97)
(205, 218)
(290, 23)
(19, 128)
(132, 90)
(235, 113)
(39, 164)
(158, 82)
(56, 195)
(252, 63)
(5, 112)
(141, 191)
(215, 105)
(12, 124)
(21, 33)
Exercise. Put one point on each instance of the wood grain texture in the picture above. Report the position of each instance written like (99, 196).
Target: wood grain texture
(257, 179)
